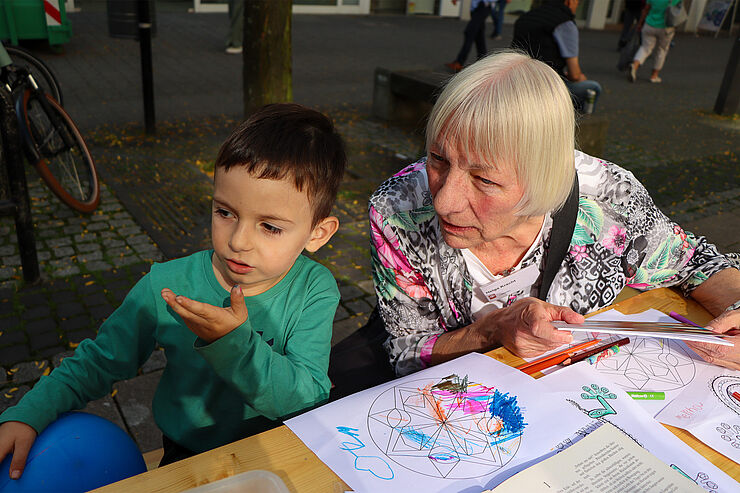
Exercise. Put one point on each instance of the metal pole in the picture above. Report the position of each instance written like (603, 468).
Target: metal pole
(728, 98)
(147, 79)
(13, 160)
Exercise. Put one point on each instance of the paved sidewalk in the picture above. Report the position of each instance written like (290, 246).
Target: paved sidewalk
(156, 198)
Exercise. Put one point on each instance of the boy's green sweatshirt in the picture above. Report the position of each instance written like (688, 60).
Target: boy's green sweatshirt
(273, 365)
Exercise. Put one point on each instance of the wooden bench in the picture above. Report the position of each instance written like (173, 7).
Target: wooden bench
(406, 97)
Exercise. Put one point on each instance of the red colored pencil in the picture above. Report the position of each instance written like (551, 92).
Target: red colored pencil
(736, 395)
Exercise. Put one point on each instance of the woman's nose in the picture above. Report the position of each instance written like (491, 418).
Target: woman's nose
(450, 196)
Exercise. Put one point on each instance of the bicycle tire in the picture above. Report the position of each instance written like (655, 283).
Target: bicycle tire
(69, 172)
(41, 73)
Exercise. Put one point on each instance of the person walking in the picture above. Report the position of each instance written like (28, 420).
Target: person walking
(655, 34)
(474, 31)
(632, 13)
(236, 27)
(497, 15)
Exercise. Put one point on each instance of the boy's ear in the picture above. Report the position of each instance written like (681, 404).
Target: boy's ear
(322, 233)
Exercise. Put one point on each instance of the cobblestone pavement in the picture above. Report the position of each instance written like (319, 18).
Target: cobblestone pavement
(666, 134)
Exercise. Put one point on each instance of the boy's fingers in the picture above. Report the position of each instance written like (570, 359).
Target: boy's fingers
(178, 305)
(201, 310)
(238, 306)
(20, 454)
(5, 449)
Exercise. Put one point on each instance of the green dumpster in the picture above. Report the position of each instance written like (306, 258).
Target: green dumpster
(34, 19)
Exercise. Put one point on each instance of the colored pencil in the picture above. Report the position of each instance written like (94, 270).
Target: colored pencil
(681, 318)
(587, 354)
(549, 363)
(555, 358)
(736, 396)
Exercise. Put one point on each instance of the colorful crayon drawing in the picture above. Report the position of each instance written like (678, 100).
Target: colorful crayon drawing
(448, 428)
(723, 387)
(650, 364)
(600, 394)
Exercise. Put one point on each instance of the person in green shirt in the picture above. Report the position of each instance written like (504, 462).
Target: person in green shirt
(246, 327)
(655, 36)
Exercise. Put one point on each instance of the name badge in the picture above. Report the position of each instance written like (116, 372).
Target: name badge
(514, 282)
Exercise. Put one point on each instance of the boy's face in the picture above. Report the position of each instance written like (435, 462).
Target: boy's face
(258, 229)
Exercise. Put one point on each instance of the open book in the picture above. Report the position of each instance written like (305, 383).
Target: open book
(605, 461)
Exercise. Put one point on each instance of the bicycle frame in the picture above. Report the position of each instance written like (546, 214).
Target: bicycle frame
(26, 80)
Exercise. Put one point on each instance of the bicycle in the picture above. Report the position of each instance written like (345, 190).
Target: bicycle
(51, 140)
(41, 73)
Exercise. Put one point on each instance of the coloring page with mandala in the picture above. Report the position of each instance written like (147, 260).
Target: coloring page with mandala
(646, 364)
(709, 408)
(597, 399)
(463, 424)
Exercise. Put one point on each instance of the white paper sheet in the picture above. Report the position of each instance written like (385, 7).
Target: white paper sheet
(646, 364)
(709, 338)
(597, 399)
(708, 410)
(473, 422)
(408, 435)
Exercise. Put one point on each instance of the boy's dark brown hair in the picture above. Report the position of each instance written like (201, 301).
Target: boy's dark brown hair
(289, 140)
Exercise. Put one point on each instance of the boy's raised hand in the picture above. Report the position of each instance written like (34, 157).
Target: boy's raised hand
(16, 438)
(207, 321)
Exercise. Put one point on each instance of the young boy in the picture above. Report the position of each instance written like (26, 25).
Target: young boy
(254, 347)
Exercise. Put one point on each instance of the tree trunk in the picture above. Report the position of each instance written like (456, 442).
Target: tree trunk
(268, 75)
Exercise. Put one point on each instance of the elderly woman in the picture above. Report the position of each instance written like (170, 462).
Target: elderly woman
(460, 239)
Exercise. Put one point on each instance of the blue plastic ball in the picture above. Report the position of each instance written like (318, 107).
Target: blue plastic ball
(77, 452)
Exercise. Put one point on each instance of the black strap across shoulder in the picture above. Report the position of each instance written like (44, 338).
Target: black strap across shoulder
(563, 224)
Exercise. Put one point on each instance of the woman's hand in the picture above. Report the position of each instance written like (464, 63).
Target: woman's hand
(728, 356)
(524, 327)
(207, 321)
(16, 438)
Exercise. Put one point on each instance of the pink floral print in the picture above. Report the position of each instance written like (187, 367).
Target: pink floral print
(616, 239)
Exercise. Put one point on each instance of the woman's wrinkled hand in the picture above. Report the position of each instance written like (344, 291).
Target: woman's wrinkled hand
(727, 356)
(524, 327)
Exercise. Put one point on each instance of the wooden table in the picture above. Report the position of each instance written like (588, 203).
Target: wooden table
(281, 452)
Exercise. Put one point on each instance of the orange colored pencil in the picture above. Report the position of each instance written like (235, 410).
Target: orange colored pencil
(564, 352)
(549, 362)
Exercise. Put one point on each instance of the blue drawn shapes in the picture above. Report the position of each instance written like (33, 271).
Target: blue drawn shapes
(507, 411)
(376, 466)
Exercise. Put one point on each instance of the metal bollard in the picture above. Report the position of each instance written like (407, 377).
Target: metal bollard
(19, 204)
(588, 108)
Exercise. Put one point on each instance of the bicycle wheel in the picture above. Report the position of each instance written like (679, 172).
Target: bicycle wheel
(41, 73)
(69, 171)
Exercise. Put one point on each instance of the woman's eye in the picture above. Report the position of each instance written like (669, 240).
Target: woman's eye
(223, 212)
(436, 157)
(484, 181)
(269, 228)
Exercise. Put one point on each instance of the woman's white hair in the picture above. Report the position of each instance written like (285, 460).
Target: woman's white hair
(511, 109)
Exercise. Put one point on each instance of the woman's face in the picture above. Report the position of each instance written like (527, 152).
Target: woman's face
(474, 200)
